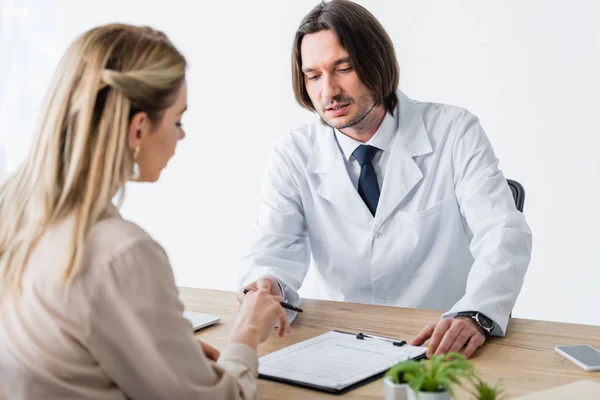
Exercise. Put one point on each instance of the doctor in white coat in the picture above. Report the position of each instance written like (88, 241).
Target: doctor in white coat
(426, 220)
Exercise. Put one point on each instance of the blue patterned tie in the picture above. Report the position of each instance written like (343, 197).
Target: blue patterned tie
(368, 188)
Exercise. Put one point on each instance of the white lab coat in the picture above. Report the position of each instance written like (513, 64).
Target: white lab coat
(446, 234)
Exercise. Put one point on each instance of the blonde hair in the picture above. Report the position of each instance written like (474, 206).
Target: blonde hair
(81, 158)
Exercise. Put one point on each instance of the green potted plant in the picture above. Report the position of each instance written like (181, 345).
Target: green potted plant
(430, 379)
(395, 386)
(483, 391)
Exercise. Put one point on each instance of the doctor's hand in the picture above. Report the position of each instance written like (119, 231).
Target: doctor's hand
(267, 283)
(460, 335)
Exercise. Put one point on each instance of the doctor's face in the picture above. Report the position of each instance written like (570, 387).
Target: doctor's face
(337, 93)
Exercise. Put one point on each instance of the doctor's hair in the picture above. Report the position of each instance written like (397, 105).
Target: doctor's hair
(369, 47)
(81, 157)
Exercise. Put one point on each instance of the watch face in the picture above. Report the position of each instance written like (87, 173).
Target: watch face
(484, 321)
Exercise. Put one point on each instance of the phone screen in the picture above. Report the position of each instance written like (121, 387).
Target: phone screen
(583, 353)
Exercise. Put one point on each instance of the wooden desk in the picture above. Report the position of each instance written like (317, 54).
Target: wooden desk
(524, 360)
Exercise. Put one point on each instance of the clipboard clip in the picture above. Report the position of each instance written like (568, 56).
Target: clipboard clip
(398, 343)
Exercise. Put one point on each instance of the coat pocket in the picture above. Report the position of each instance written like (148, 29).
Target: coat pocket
(424, 237)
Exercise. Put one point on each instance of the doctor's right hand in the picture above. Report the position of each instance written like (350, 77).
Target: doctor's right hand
(259, 312)
(267, 283)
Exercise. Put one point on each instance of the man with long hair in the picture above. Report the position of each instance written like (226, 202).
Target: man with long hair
(398, 202)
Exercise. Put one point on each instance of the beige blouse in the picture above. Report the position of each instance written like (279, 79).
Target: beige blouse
(117, 333)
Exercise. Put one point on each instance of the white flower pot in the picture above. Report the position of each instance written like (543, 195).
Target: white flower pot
(395, 391)
(428, 395)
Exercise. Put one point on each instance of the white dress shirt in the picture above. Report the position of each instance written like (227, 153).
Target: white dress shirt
(383, 140)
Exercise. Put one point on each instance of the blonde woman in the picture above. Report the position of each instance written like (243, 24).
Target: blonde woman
(88, 303)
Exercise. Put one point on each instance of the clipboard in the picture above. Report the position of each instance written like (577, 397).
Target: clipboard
(356, 358)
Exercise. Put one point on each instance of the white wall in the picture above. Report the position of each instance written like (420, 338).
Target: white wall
(529, 70)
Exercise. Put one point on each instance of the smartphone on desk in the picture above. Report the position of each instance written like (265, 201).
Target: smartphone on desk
(583, 355)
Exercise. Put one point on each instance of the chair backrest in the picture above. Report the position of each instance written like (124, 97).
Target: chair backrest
(518, 193)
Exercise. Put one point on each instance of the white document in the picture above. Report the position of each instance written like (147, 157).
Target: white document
(334, 360)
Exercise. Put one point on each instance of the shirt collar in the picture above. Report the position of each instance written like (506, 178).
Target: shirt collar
(382, 139)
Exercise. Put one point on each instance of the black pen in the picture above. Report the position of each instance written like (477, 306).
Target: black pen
(283, 304)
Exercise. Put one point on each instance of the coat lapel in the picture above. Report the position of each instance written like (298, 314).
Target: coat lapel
(327, 163)
(402, 172)
(401, 175)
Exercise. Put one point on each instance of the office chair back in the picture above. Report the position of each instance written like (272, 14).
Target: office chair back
(518, 193)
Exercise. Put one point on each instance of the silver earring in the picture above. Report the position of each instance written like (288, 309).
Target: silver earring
(136, 167)
(136, 172)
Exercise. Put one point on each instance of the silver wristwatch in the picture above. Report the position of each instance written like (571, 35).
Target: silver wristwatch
(486, 324)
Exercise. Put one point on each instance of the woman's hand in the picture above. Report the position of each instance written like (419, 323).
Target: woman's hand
(259, 312)
(210, 352)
